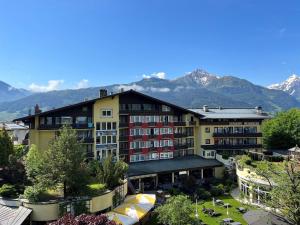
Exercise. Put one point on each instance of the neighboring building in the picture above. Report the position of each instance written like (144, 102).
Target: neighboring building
(230, 131)
(17, 132)
(146, 131)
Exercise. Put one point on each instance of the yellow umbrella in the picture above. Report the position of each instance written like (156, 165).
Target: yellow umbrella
(121, 219)
(136, 211)
(141, 199)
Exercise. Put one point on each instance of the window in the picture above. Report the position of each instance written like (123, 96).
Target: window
(207, 129)
(49, 120)
(136, 107)
(81, 120)
(106, 113)
(58, 120)
(166, 108)
(207, 141)
(42, 120)
(66, 120)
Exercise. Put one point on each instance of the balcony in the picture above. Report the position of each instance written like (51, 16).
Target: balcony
(123, 124)
(137, 137)
(90, 154)
(237, 134)
(179, 135)
(58, 126)
(180, 146)
(123, 138)
(228, 147)
(192, 123)
(86, 140)
(152, 124)
(180, 124)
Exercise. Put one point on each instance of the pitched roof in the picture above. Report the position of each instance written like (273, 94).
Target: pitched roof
(230, 113)
(108, 96)
(10, 216)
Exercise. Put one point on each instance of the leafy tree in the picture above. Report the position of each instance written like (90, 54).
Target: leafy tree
(283, 131)
(33, 163)
(177, 211)
(63, 164)
(284, 180)
(19, 151)
(84, 220)
(6, 148)
(111, 173)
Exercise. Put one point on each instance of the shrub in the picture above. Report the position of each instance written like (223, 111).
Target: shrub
(217, 190)
(203, 194)
(174, 191)
(33, 193)
(8, 191)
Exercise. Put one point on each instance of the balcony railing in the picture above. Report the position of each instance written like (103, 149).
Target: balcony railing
(86, 140)
(237, 134)
(180, 146)
(192, 123)
(179, 135)
(90, 154)
(234, 146)
(180, 123)
(58, 126)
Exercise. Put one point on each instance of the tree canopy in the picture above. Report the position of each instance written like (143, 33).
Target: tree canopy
(178, 210)
(84, 220)
(283, 131)
(63, 164)
(284, 180)
(6, 148)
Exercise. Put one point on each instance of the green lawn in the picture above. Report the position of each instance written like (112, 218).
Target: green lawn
(232, 212)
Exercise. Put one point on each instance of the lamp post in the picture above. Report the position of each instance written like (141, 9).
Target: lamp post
(227, 210)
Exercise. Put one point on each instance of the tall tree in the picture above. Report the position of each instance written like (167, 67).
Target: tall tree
(33, 163)
(63, 164)
(6, 148)
(283, 131)
(177, 211)
(110, 172)
(284, 180)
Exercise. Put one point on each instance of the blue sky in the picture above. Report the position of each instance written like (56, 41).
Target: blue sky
(103, 42)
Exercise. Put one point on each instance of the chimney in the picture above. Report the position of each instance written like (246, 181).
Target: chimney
(102, 93)
(220, 107)
(37, 109)
(122, 90)
(258, 110)
(85, 99)
(205, 108)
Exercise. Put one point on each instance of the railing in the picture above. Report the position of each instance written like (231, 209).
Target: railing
(180, 146)
(58, 126)
(237, 134)
(86, 139)
(180, 135)
(180, 123)
(192, 123)
(90, 154)
(242, 146)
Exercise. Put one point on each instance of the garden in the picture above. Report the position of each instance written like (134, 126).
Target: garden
(60, 173)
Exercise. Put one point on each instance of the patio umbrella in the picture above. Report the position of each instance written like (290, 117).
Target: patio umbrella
(136, 211)
(121, 219)
(141, 199)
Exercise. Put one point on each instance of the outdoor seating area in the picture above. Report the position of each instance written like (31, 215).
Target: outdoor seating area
(229, 221)
(211, 212)
(133, 210)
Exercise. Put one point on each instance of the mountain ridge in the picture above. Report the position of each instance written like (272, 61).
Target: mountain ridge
(194, 89)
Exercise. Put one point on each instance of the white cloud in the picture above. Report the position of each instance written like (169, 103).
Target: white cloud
(165, 89)
(51, 86)
(82, 84)
(160, 75)
(146, 76)
(129, 87)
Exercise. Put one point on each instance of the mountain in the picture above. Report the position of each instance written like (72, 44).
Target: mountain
(9, 93)
(194, 89)
(291, 86)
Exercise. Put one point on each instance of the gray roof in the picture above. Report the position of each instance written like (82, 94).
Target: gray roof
(10, 216)
(261, 217)
(169, 165)
(231, 113)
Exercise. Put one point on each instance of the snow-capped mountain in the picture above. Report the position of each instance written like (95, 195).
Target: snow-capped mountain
(291, 86)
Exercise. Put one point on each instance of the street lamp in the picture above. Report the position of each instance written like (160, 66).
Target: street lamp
(196, 214)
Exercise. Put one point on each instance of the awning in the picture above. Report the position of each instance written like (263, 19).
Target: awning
(121, 219)
(10, 216)
(141, 199)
